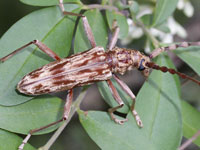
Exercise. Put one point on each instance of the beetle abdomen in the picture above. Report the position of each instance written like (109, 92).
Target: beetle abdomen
(77, 70)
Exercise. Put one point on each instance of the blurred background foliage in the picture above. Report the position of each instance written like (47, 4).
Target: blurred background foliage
(74, 137)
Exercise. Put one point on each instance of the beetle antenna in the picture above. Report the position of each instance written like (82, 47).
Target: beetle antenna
(170, 70)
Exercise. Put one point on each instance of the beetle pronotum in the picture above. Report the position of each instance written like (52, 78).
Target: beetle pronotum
(88, 67)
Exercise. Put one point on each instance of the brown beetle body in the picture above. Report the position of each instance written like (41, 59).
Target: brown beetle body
(79, 69)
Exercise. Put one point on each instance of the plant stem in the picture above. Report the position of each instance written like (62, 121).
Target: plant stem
(189, 141)
(107, 7)
(74, 107)
(155, 42)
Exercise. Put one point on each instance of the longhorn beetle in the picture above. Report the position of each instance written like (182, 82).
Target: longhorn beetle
(88, 67)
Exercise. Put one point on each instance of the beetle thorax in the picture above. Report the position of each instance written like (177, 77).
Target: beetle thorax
(123, 59)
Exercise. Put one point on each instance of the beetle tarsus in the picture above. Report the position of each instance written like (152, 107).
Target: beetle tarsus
(118, 121)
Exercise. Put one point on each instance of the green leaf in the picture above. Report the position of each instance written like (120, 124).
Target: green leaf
(47, 25)
(109, 135)
(99, 30)
(134, 8)
(164, 9)
(191, 55)
(158, 105)
(147, 19)
(11, 141)
(191, 121)
(121, 22)
(47, 2)
(31, 115)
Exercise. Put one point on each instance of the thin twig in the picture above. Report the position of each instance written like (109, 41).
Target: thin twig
(107, 7)
(155, 42)
(74, 107)
(189, 141)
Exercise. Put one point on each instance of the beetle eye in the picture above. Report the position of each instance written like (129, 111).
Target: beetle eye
(141, 67)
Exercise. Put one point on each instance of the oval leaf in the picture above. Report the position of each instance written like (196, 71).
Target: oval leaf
(47, 2)
(118, 137)
(47, 25)
(190, 55)
(164, 9)
(159, 108)
(133, 7)
(11, 141)
(31, 115)
(191, 121)
(147, 19)
(121, 22)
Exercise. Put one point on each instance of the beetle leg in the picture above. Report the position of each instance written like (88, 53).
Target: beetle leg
(88, 32)
(39, 44)
(87, 28)
(67, 109)
(21, 147)
(68, 104)
(118, 100)
(130, 93)
(61, 5)
(157, 51)
(113, 40)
